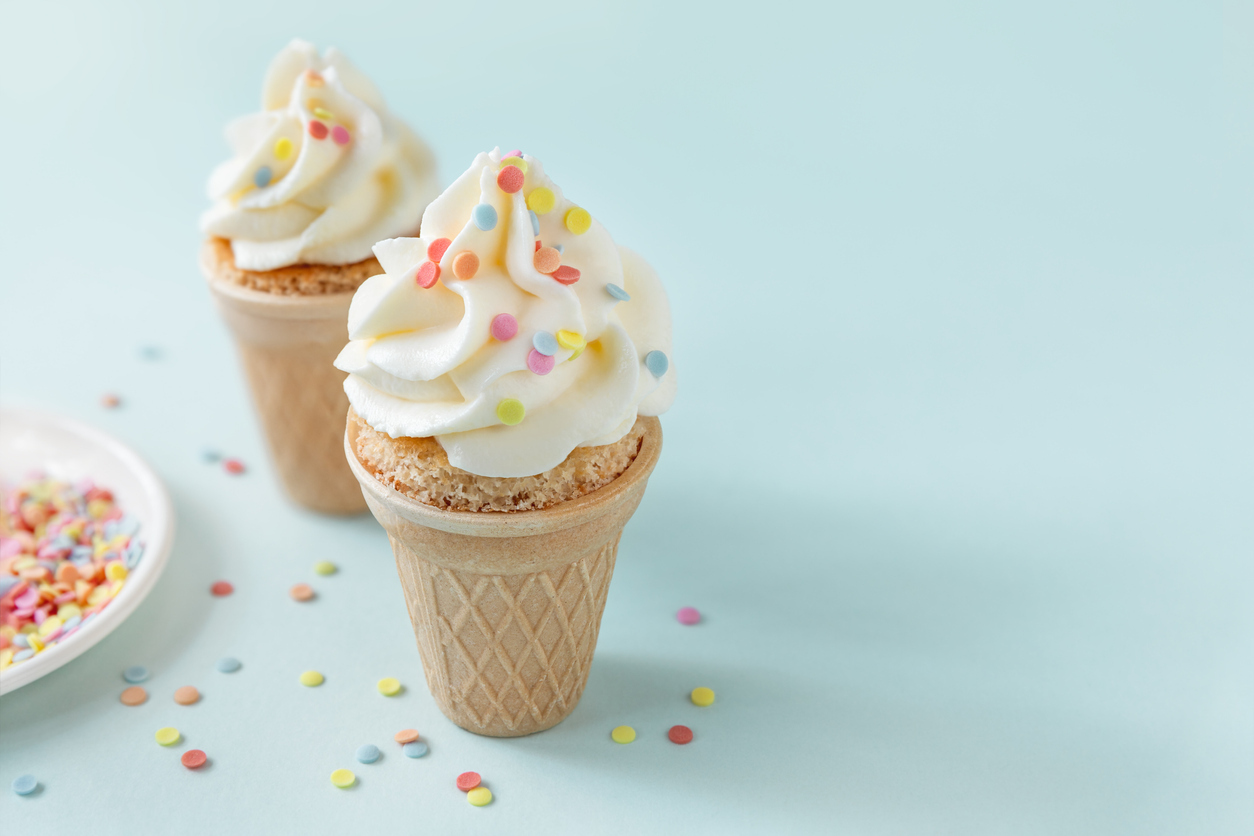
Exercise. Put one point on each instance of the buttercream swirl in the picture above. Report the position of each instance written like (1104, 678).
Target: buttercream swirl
(321, 173)
(511, 334)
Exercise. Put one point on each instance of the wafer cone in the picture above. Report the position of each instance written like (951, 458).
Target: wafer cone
(507, 606)
(287, 345)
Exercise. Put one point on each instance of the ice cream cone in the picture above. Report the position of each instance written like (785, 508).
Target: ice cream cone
(506, 607)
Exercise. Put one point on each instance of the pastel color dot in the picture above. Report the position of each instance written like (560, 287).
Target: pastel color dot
(540, 363)
(228, 664)
(437, 248)
(339, 134)
(484, 217)
(546, 259)
(566, 275)
(517, 152)
(194, 758)
(510, 411)
(578, 220)
(134, 695)
(323, 113)
(262, 178)
(24, 784)
(187, 695)
(656, 362)
(680, 735)
(222, 588)
(623, 734)
(343, 778)
(368, 753)
(578, 351)
(465, 265)
(311, 679)
(688, 615)
(313, 78)
(569, 339)
(479, 796)
(282, 148)
(535, 221)
(702, 697)
(389, 687)
(515, 159)
(414, 750)
(115, 570)
(617, 292)
(561, 248)
(301, 592)
(405, 736)
(168, 736)
(545, 343)
(510, 179)
(504, 327)
(135, 674)
(541, 200)
(428, 274)
(317, 130)
(325, 567)
(467, 781)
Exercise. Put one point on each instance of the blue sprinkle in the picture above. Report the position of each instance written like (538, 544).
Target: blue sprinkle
(128, 525)
(23, 655)
(135, 674)
(228, 664)
(545, 343)
(133, 554)
(80, 553)
(262, 177)
(617, 292)
(24, 784)
(535, 222)
(657, 363)
(150, 352)
(210, 455)
(20, 640)
(62, 542)
(7, 582)
(559, 247)
(414, 750)
(368, 753)
(484, 217)
(70, 623)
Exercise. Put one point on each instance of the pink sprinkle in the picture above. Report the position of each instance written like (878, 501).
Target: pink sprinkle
(504, 327)
(688, 615)
(28, 599)
(233, 466)
(539, 363)
(566, 275)
(427, 275)
(514, 153)
(340, 135)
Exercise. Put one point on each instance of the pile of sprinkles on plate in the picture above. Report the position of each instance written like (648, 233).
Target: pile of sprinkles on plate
(65, 552)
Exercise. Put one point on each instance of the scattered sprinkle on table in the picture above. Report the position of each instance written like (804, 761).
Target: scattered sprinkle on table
(343, 778)
(702, 697)
(168, 736)
(325, 567)
(194, 758)
(467, 781)
(228, 664)
(187, 695)
(222, 588)
(406, 736)
(389, 687)
(134, 695)
(135, 674)
(110, 401)
(24, 784)
(623, 734)
(688, 615)
(680, 735)
(150, 352)
(233, 466)
(210, 456)
(414, 750)
(479, 796)
(369, 753)
(301, 592)
(311, 679)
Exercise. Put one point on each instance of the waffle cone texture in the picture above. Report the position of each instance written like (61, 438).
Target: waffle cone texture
(506, 606)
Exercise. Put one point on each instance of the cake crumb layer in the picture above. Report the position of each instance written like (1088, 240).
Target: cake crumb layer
(218, 261)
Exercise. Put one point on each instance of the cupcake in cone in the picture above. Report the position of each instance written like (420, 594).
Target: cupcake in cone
(317, 177)
(505, 373)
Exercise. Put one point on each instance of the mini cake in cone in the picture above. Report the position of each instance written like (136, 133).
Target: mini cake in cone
(317, 177)
(504, 374)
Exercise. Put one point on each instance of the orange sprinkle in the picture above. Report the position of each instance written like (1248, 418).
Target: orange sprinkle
(187, 695)
(406, 736)
(302, 592)
(465, 265)
(547, 259)
(134, 696)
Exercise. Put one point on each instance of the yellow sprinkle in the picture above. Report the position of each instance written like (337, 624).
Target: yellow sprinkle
(517, 162)
(97, 508)
(323, 113)
(479, 796)
(98, 594)
(28, 628)
(510, 411)
(311, 679)
(115, 571)
(6, 657)
(343, 778)
(168, 736)
(578, 351)
(569, 339)
(541, 200)
(50, 624)
(389, 687)
(325, 567)
(67, 611)
(283, 148)
(25, 563)
(623, 734)
(36, 644)
(702, 697)
(578, 220)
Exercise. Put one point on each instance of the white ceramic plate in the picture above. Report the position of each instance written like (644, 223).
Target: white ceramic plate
(66, 449)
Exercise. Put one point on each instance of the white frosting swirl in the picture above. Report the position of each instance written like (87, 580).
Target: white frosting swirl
(425, 362)
(322, 173)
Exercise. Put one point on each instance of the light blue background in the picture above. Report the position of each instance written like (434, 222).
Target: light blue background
(960, 472)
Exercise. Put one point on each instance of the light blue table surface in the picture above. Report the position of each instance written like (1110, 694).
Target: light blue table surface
(961, 469)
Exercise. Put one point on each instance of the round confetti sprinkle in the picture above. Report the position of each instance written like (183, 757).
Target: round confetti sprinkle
(187, 695)
(515, 153)
(388, 686)
(566, 275)
(325, 567)
(467, 781)
(168, 736)
(24, 784)
(702, 697)
(578, 351)
(406, 736)
(115, 570)
(511, 411)
(222, 588)
(569, 339)
(110, 401)
(414, 750)
(323, 113)
(301, 592)
(437, 248)
(546, 259)
(479, 796)
(535, 222)
(261, 178)
(504, 327)
(311, 679)
(134, 695)
(339, 135)
(541, 200)
(210, 456)
(136, 673)
(368, 753)
(656, 362)
(515, 159)
(623, 734)
(283, 148)
(617, 292)
(194, 758)
(317, 130)
(484, 217)
(545, 343)
(233, 466)
(680, 735)
(578, 220)
(540, 363)
(313, 78)
(510, 179)
(343, 778)
(465, 265)
(688, 615)
(228, 664)
(428, 274)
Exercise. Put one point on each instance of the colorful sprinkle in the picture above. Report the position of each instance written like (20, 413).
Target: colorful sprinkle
(261, 178)
(134, 695)
(544, 343)
(301, 592)
(210, 455)
(135, 674)
(388, 686)
(623, 734)
(168, 736)
(187, 695)
(479, 797)
(504, 327)
(24, 784)
(566, 275)
(680, 735)
(540, 363)
(194, 758)
(282, 148)
(510, 179)
(561, 248)
(515, 159)
(313, 78)
(517, 152)
(340, 135)
(228, 664)
(467, 781)
(369, 753)
(233, 466)
(115, 570)
(405, 736)
(317, 130)
(578, 351)
(688, 615)
(578, 220)
(546, 259)
(465, 265)
(510, 411)
(437, 248)
(656, 362)
(570, 340)
(311, 679)
(414, 750)
(110, 401)
(535, 222)
(541, 200)
(323, 113)
(325, 567)
(222, 588)
(343, 778)
(428, 274)
(702, 697)
(484, 217)
(617, 292)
